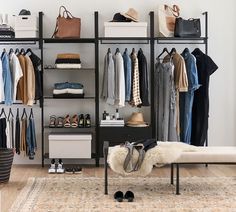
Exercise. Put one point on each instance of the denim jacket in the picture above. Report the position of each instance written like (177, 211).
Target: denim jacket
(127, 70)
(7, 80)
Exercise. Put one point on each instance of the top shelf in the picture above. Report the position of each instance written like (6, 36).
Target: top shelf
(69, 40)
(179, 39)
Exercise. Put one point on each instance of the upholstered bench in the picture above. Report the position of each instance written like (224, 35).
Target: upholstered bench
(197, 155)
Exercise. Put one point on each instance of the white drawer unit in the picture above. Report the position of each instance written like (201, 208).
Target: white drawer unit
(125, 29)
(69, 145)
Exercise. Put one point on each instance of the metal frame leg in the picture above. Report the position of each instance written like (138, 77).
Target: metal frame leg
(177, 179)
(172, 174)
(105, 152)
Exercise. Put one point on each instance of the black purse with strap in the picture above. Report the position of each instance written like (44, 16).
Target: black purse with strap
(190, 28)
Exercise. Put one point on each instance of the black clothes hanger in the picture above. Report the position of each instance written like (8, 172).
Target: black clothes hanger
(11, 51)
(117, 50)
(126, 50)
(22, 51)
(173, 50)
(28, 51)
(24, 114)
(10, 114)
(3, 51)
(17, 51)
(31, 113)
(163, 51)
(108, 51)
(133, 50)
(3, 113)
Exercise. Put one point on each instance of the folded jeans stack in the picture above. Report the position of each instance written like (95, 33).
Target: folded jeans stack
(68, 61)
(68, 90)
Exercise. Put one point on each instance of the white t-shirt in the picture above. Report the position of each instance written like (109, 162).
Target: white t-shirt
(16, 73)
(2, 96)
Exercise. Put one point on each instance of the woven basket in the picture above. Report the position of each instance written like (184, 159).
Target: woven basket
(6, 159)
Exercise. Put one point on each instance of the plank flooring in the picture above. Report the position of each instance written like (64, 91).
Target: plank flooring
(20, 174)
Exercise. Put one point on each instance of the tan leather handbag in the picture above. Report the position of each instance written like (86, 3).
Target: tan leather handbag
(67, 26)
(166, 19)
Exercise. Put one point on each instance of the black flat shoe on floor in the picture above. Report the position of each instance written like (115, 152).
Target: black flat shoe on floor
(129, 195)
(118, 196)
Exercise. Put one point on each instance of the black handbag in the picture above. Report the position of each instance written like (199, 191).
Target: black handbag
(190, 28)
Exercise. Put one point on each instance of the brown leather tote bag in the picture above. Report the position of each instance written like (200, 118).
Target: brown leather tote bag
(67, 26)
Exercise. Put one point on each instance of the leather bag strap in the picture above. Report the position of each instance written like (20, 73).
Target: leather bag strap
(174, 10)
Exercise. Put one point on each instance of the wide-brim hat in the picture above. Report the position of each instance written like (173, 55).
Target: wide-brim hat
(118, 17)
(136, 119)
(131, 14)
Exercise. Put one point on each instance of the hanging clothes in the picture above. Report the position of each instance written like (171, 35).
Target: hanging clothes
(23, 135)
(16, 73)
(206, 67)
(2, 95)
(3, 136)
(22, 84)
(128, 75)
(7, 80)
(108, 85)
(180, 81)
(165, 101)
(38, 76)
(135, 93)
(30, 87)
(17, 133)
(186, 98)
(31, 138)
(119, 80)
(143, 79)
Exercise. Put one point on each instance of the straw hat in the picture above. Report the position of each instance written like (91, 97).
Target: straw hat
(132, 14)
(136, 119)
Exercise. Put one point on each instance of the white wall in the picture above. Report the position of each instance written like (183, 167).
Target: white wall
(222, 33)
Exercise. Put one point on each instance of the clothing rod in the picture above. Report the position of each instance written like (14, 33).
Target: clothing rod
(124, 42)
(17, 43)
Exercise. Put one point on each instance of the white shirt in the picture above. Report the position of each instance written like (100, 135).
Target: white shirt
(2, 96)
(119, 80)
(16, 73)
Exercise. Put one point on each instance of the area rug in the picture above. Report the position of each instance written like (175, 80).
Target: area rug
(72, 194)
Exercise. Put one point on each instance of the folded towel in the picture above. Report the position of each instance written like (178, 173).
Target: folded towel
(68, 95)
(68, 66)
(68, 90)
(71, 61)
(68, 56)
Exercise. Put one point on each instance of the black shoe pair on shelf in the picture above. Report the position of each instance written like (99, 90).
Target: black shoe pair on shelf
(84, 121)
(119, 196)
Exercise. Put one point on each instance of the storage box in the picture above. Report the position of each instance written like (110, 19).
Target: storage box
(26, 21)
(125, 29)
(26, 33)
(63, 145)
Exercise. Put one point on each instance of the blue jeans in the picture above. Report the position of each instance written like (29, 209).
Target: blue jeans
(186, 104)
(7, 79)
(64, 85)
(127, 70)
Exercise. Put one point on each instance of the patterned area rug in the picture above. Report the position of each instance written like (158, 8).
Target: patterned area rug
(151, 194)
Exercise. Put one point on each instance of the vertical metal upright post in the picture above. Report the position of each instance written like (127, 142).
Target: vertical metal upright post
(152, 61)
(41, 101)
(97, 86)
(172, 174)
(177, 179)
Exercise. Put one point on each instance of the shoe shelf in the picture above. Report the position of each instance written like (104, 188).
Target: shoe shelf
(86, 97)
(69, 69)
(69, 40)
(70, 128)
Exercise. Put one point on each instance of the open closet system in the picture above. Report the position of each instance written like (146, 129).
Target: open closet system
(115, 135)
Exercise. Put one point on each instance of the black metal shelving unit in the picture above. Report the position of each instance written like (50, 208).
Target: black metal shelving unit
(92, 129)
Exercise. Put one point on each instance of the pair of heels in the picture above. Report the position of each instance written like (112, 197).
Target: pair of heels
(119, 196)
(84, 121)
(56, 122)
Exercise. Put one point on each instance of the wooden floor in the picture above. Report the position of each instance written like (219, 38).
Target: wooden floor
(20, 174)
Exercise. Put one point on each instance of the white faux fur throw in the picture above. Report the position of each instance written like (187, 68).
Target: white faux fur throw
(163, 153)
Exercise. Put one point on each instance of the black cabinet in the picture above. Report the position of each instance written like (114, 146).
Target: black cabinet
(117, 135)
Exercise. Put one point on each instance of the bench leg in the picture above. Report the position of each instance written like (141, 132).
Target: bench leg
(172, 174)
(177, 179)
(106, 177)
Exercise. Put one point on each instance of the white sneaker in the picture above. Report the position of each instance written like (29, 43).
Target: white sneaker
(52, 168)
(60, 169)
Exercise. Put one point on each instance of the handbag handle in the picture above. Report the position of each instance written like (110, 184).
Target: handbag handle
(174, 10)
(67, 12)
